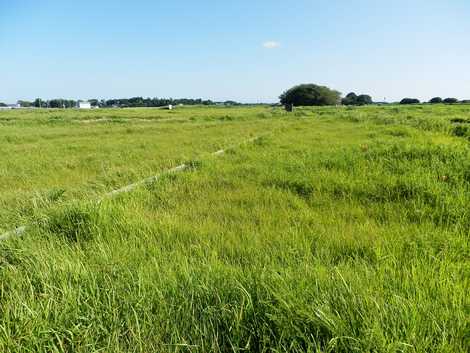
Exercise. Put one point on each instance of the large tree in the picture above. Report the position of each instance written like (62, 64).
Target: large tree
(310, 94)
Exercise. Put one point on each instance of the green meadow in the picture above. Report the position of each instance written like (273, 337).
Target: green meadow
(323, 230)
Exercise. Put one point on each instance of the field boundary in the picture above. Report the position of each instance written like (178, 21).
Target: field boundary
(20, 231)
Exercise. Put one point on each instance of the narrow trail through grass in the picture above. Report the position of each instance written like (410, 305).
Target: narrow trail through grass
(62, 163)
(21, 230)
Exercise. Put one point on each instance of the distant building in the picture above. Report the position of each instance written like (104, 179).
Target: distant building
(83, 105)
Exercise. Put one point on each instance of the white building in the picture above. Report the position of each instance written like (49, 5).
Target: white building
(84, 105)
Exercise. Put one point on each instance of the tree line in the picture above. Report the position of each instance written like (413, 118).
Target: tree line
(316, 95)
(300, 95)
(135, 102)
(435, 100)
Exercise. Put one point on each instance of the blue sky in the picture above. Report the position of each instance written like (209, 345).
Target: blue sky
(243, 50)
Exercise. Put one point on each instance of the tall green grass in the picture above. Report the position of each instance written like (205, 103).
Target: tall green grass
(345, 230)
(44, 162)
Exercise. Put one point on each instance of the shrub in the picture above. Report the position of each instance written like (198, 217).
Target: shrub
(310, 95)
(450, 100)
(436, 100)
(410, 101)
(364, 99)
(350, 99)
(353, 99)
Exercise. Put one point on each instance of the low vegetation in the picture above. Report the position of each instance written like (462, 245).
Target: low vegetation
(336, 230)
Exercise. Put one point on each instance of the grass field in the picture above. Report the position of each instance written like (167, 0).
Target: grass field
(337, 230)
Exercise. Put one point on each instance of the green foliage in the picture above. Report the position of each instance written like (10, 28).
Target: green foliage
(350, 99)
(436, 100)
(39, 103)
(153, 102)
(25, 104)
(310, 95)
(61, 103)
(364, 99)
(134, 102)
(409, 101)
(450, 100)
(353, 99)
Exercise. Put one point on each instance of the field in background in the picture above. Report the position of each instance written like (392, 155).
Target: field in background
(70, 154)
(338, 230)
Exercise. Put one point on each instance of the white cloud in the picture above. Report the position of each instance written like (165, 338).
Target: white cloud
(271, 44)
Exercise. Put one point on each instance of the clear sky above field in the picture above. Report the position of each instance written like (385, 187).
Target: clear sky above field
(247, 50)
